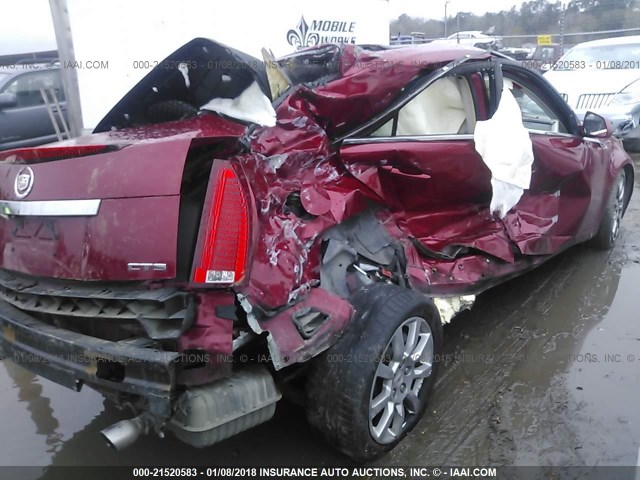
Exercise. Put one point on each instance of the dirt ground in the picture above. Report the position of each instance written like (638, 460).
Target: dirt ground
(545, 370)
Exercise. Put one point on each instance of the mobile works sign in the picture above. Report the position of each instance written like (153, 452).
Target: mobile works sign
(321, 31)
(140, 34)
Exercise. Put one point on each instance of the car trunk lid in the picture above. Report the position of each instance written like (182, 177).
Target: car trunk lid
(109, 211)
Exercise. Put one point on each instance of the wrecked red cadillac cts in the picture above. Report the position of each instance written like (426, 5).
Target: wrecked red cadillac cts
(234, 229)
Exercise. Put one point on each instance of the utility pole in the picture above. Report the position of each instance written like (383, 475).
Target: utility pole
(445, 17)
(562, 29)
(62, 28)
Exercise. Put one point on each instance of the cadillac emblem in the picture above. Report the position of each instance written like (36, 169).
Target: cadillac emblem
(24, 182)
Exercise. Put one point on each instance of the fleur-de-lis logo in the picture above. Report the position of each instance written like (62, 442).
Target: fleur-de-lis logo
(300, 36)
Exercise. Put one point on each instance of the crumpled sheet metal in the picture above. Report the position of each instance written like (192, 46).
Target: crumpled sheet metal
(296, 156)
(358, 94)
(432, 197)
(287, 250)
(438, 193)
(287, 346)
(561, 206)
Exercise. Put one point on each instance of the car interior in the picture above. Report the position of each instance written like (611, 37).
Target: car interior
(444, 108)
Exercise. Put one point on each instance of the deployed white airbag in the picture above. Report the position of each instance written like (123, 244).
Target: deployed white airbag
(504, 144)
(252, 105)
(439, 109)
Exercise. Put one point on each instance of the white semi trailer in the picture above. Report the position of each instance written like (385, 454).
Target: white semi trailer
(107, 47)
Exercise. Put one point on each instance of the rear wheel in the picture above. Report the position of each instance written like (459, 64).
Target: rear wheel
(612, 218)
(369, 390)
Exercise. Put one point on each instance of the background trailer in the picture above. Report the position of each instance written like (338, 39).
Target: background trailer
(106, 48)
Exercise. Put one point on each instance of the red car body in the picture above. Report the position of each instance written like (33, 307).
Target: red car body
(110, 252)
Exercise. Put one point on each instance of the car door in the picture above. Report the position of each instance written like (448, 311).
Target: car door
(28, 122)
(563, 204)
(421, 161)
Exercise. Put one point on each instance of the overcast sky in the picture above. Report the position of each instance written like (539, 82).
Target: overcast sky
(435, 8)
(27, 27)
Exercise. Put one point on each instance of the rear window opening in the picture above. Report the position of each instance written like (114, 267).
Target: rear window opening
(179, 86)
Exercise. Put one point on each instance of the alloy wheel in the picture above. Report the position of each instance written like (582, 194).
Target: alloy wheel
(395, 394)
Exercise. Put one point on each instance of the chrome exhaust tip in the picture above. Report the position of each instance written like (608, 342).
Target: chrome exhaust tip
(124, 433)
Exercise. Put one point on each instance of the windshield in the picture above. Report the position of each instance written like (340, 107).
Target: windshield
(609, 57)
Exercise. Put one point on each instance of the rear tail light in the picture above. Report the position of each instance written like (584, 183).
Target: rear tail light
(43, 154)
(224, 252)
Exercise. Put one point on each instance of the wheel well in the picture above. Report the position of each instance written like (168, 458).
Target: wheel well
(360, 240)
(629, 178)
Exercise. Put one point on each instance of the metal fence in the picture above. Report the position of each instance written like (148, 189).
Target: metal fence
(561, 38)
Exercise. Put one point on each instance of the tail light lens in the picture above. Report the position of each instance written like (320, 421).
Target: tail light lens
(224, 251)
(43, 154)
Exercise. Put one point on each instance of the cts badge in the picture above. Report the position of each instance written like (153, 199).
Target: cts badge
(147, 267)
(23, 182)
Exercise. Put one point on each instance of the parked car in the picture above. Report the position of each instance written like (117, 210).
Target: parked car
(235, 227)
(401, 40)
(473, 38)
(515, 53)
(603, 76)
(24, 119)
(545, 56)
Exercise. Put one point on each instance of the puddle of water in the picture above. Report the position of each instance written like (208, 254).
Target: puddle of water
(51, 425)
(39, 415)
(604, 380)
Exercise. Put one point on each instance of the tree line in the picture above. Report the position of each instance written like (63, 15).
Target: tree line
(534, 17)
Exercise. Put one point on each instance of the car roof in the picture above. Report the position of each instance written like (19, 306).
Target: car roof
(378, 74)
(426, 53)
(407, 56)
(611, 41)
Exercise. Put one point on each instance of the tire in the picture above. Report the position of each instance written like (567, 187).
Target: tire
(612, 217)
(345, 387)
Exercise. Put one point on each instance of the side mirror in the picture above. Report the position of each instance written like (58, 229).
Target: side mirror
(596, 126)
(7, 100)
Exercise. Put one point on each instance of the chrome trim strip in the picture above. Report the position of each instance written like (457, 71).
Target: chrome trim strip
(550, 133)
(50, 208)
(595, 140)
(443, 138)
(407, 138)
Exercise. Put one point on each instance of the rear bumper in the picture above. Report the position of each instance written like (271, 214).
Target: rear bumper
(72, 359)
